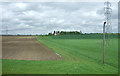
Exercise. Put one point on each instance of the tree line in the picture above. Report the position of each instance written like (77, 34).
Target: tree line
(65, 32)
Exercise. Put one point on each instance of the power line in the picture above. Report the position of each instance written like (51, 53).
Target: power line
(6, 30)
(107, 12)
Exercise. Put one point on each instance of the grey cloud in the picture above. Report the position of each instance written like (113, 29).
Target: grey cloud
(44, 17)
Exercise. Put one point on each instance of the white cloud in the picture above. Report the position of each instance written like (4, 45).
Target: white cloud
(21, 5)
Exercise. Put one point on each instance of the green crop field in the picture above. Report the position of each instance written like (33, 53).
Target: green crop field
(80, 55)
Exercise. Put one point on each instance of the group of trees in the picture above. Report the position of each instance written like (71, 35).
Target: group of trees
(70, 32)
(65, 32)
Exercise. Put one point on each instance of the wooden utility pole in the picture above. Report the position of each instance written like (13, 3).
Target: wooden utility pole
(104, 42)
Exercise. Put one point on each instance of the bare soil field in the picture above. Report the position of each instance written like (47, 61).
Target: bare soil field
(26, 48)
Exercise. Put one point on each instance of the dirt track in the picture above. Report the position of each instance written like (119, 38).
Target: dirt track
(26, 48)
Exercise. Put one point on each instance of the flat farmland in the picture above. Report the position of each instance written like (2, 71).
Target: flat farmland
(26, 48)
(77, 54)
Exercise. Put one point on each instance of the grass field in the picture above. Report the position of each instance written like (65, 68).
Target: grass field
(79, 56)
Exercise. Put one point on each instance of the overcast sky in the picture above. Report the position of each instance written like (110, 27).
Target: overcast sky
(45, 17)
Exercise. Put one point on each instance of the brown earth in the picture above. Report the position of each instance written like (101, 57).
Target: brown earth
(26, 48)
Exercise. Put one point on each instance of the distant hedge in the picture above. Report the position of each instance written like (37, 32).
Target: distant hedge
(84, 36)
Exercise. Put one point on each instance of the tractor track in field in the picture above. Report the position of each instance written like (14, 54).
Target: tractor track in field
(26, 48)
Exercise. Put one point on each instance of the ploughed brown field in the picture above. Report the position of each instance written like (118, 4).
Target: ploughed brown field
(26, 48)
